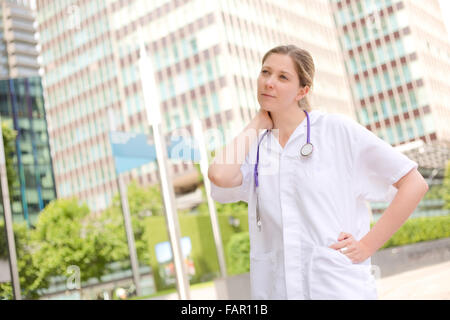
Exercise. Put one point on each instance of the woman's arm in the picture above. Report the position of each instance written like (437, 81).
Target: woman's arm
(411, 189)
(225, 171)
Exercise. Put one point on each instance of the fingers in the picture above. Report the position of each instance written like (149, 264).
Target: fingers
(344, 235)
(341, 244)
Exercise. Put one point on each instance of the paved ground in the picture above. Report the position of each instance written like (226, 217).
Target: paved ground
(432, 282)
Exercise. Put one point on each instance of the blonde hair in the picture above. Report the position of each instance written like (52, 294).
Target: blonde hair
(304, 66)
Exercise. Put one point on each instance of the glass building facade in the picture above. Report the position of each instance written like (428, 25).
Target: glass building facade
(394, 63)
(22, 108)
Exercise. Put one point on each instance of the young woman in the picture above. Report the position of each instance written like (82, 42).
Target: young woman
(305, 175)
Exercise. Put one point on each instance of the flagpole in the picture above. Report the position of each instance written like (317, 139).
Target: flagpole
(126, 218)
(13, 267)
(198, 133)
(152, 106)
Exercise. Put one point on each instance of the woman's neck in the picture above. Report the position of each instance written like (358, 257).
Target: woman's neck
(286, 122)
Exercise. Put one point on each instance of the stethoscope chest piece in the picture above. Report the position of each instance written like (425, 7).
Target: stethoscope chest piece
(306, 150)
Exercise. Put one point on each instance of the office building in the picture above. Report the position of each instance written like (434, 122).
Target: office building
(397, 57)
(18, 45)
(22, 108)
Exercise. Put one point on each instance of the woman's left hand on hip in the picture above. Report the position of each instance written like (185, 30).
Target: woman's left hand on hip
(353, 249)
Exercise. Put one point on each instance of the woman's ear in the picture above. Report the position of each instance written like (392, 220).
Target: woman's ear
(302, 92)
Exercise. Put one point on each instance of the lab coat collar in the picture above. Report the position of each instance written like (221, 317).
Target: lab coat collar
(300, 131)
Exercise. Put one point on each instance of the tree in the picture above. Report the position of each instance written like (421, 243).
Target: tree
(143, 202)
(9, 137)
(27, 269)
(65, 236)
(446, 186)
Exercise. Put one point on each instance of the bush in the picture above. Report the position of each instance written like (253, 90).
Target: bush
(238, 251)
(420, 229)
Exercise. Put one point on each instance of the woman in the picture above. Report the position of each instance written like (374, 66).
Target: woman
(310, 235)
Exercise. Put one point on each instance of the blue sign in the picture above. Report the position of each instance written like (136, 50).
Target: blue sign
(132, 150)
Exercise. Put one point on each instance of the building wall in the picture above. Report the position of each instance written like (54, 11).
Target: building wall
(397, 85)
(18, 45)
(22, 107)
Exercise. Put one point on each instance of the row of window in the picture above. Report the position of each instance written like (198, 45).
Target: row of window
(348, 13)
(390, 108)
(378, 56)
(87, 58)
(402, 74)
(415, 128)
(193, 77)
(181, 116)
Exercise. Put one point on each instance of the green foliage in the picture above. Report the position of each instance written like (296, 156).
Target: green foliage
(446, 187)
(420, 229)
(64, 237)
(9, 138)
(224, 208)
(238, 251)
(27, 269)
(143, 203)
(441, 191)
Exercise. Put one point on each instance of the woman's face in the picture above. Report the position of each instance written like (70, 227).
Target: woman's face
(278, 83)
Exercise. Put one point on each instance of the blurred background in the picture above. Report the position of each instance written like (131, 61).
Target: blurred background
(70, 74)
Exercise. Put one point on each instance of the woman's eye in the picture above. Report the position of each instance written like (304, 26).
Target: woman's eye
(264, 71)
(284, 77)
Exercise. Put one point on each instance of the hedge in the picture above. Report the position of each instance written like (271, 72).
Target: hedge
(412, 231)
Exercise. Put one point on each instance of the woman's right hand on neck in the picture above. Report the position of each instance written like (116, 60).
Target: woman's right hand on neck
(263, 120)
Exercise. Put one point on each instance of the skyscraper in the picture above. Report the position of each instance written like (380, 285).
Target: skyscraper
(18, 51)
(22, 108)
(207, 56)
(397, 57)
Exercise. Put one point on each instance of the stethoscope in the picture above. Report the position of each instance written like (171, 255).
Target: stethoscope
(305, 151)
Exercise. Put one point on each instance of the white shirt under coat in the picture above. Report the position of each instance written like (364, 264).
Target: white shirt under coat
(305, 202)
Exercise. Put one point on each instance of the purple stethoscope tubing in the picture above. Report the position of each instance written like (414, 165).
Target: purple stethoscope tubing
(308, 142)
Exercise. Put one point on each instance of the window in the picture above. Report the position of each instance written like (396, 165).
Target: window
(396, 77)
(419, 126)
(393, 106)
(387, 80)
(403, 103)
(377, 82)
(412, 98)
(385, 109)
(194, 45)
(399, 132)
(406, 72)
(390, 134)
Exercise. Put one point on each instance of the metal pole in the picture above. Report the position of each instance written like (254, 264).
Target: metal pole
(8, 222)
(130, 234)
(127, 218)
(152, 103)
(198, 133)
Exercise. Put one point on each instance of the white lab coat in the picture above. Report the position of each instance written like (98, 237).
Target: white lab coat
(306, 202)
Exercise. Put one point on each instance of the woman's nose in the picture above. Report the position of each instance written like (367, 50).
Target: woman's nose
(269, 83)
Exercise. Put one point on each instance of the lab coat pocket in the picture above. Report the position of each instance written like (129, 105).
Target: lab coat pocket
(333, 276)
(262, 266)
